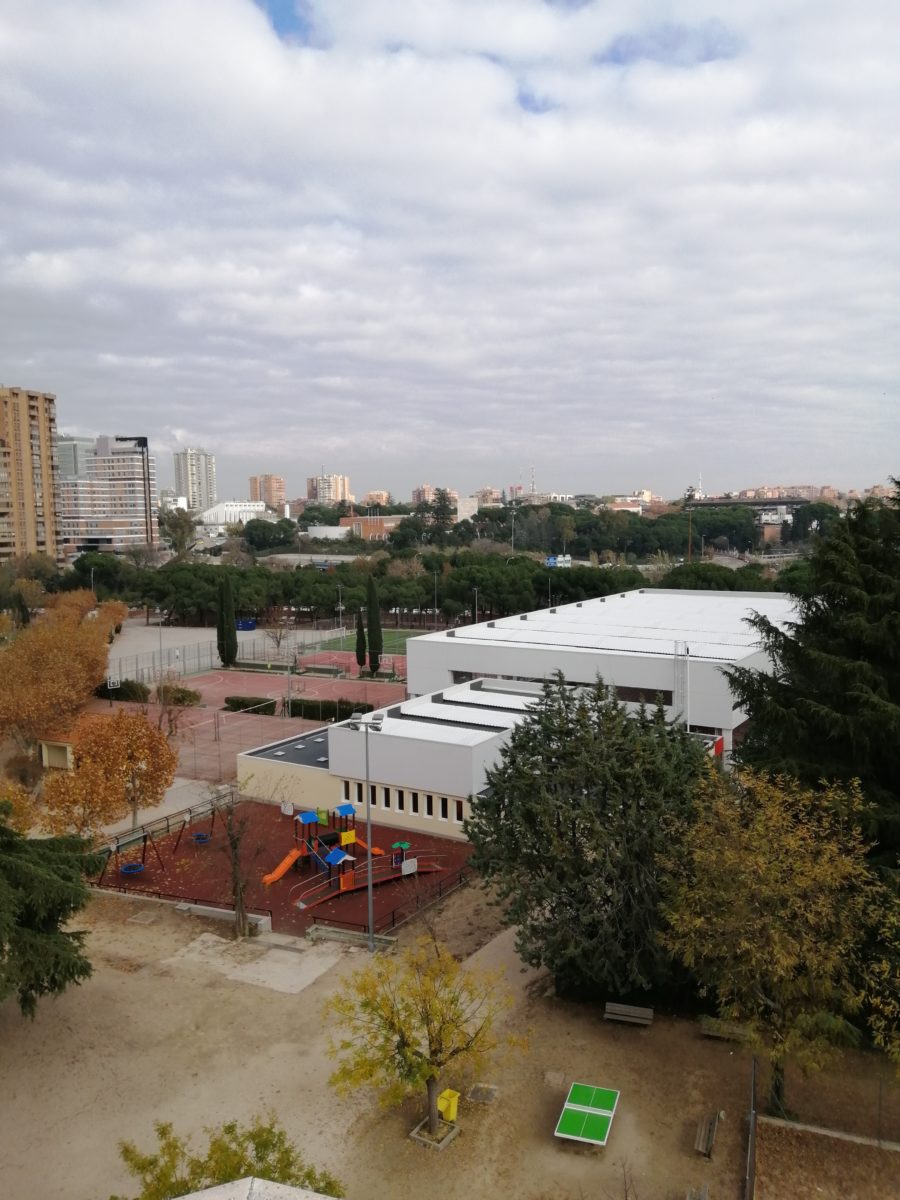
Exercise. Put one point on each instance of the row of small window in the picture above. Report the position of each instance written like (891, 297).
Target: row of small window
(397, 798)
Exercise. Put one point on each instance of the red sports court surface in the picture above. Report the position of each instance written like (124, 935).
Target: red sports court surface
(202, 873)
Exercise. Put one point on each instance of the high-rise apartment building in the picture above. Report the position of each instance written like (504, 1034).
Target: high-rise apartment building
(328, 489)
(376, 498)
(28, 473)
(268, 488)
(423, 494)
(107, 495)
(195, 478)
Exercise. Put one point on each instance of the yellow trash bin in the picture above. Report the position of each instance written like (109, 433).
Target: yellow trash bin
(447, 1104)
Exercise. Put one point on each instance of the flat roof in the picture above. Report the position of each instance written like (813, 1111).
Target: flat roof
(309, 749)
(649, 622)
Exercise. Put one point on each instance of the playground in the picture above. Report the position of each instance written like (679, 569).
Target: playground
(302, 868)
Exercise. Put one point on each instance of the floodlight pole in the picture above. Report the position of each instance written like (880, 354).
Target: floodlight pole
(370, 891)
(475, 590)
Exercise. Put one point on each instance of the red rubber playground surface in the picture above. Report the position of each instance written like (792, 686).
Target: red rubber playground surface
(202, 873)
(273, 685)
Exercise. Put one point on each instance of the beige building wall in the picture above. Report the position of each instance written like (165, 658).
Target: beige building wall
(28, 473)
(268, 488)
(403, 809)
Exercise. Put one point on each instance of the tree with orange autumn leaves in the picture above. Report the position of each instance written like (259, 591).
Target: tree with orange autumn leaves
(122, 764)
(50, 669)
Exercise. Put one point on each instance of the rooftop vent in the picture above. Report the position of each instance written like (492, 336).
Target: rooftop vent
(279, 754)
(492, 624)
(451, 633)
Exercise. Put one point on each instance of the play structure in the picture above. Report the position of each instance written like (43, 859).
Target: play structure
(330, 853)
(126, 841)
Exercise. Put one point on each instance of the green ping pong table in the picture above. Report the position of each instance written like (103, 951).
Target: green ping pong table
(587, 1114)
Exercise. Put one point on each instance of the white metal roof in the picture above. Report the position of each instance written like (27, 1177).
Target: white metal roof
(711, 625)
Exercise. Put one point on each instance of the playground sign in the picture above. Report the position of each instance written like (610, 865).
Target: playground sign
(113, 682)
(587, 1114)
(409, 866)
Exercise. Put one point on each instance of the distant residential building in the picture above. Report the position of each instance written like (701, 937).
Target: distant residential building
(514, 492)
(169, 500)
(29, 471)
(466, 508)
(107, 495)
(195, 478)
(268, 488)
(375, 499)
(489, 497)
(231, 512)
(423, 494)
(328, 490)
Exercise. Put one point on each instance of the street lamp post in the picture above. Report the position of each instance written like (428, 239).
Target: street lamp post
(475, 590)
(341, 613)
(435, 599)
(374, 725)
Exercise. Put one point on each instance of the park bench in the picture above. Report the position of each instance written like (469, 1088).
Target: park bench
(728, 1031)
(628, 1013)
(706, 1135)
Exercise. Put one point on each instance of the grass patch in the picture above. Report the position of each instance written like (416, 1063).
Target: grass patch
(394, 641)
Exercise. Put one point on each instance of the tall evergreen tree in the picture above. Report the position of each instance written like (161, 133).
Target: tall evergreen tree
(830, 710)
(569, 831)
(41, 887)
(373, 622)
(360, 640)
(226, 632)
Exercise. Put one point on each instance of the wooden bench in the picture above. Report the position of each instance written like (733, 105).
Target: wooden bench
(628, 1013)
(728, 1031)
(706, 1135)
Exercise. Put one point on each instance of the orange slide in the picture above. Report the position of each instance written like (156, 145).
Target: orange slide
(285, 865)
(360, 842)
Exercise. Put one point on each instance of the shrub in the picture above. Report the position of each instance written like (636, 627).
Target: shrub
(129, 689)
(259, 704)
(177, 694)
(326, 710)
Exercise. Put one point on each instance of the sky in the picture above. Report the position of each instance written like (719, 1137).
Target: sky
(623, 243)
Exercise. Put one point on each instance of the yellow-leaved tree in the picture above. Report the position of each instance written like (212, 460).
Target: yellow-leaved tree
(49, 672)
(122, 764)
(402, 1020)
(770, 902)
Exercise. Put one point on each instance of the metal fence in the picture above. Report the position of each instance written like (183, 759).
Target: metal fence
(199, 657)
(403, 912)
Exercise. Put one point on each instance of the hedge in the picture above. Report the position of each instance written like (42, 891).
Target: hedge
(128, 689)
(326, 710)
(259, 704)
(177, 694)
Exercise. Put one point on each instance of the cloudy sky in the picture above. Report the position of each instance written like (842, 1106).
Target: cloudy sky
(621, 241)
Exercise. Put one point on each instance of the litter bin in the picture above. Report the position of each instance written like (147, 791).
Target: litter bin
(447, 1104)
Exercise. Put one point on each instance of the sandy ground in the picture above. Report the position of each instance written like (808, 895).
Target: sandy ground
(180, 1024)
(809, 1166)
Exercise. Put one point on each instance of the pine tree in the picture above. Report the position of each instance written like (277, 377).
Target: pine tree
(569, 830)
(373, 621)
(830, 710)
(226, 632)
(41, 888)
(360, 640)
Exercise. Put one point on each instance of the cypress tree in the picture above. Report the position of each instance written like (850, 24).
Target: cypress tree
(226, 633)
(360, 640)
(373, 614)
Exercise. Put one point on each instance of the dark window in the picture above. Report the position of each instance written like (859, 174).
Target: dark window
(373, 794)
(400, 800)
(359, 793)
(386, 797)
(414, 802)
(633, 695)
(459, 812)
(443, 808)
(346, 789)
(429, 805)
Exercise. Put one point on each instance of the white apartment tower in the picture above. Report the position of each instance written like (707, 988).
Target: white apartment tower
(195, 478)
(106, 494)
(328, 489)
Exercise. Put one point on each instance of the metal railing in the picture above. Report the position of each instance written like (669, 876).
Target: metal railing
(403, 912)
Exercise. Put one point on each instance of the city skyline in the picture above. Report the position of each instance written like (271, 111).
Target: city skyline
(626, 248)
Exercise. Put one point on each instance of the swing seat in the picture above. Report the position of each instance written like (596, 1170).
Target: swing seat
(133, 868)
